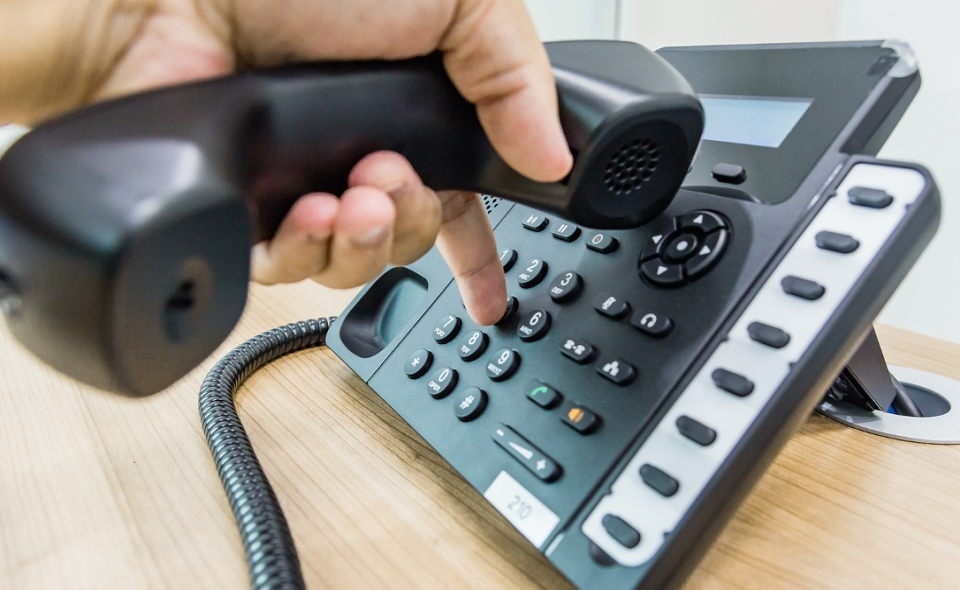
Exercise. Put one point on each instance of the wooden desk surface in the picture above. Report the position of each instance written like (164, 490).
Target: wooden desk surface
(100, 491)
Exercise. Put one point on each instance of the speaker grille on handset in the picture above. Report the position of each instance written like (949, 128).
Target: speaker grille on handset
(490, 203)
(632, 165)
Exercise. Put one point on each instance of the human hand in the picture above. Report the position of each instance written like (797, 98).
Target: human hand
(62, 54)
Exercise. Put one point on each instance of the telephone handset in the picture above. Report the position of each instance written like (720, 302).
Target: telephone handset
(125, 227)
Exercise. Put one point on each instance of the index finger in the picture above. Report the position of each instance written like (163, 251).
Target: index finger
(467, 243)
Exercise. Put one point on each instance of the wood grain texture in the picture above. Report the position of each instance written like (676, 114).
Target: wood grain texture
(101, 491)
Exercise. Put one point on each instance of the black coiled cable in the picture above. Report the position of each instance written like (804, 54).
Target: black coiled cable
(271, 555)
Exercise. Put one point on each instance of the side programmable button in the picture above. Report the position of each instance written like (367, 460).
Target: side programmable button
(769, 335)
(840, 243)
(535, 460)
(869, 197)
(621, 532)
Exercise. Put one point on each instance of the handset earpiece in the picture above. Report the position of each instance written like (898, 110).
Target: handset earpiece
(126, 226)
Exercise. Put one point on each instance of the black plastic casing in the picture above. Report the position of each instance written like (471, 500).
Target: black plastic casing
(126, 226)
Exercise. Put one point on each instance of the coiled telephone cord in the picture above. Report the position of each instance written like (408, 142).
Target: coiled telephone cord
(271, 556)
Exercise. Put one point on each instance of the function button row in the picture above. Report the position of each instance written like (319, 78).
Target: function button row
(535, 460)
(621, 532)
(532, 273)
(580, 418)
(874, 198)
(698, 432)
(802, 288)
(446, 329)
(659, 480)
(616, 370)
(732, 382)
(565, 286)
(473, 345)
(566, 232)
(768, 335)
(534, 325)
(470, 404)
(503, 364)
(834, 242)
(442, 382)
(418, 363)
(508, 257)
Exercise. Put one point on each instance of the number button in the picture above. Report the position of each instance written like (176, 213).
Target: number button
(418, 363)
(472, 345)
(442, 382)
(565, 286)
(503, 365)
(470, 404)
(512, 306)
(446, 329)
(534, 325)
(508, 257)
(578, 350)
(532, 273)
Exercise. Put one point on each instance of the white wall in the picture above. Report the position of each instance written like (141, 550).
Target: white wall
(927, 301)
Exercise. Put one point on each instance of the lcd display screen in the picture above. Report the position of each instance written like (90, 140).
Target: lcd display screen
(751, 120)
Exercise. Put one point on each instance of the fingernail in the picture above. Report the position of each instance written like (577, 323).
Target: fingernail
(398, 191)
(372, 238)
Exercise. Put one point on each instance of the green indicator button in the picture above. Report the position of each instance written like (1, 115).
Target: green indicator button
(541, 394)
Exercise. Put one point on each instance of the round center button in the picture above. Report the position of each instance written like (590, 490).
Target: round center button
(442, 382)
(472, 345)
(682, 247)
(503, 364)
(418, 363)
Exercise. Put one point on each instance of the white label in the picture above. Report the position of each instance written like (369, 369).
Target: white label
(524, 511)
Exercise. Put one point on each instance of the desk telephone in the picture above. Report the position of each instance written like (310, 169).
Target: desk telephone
(677, 306)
